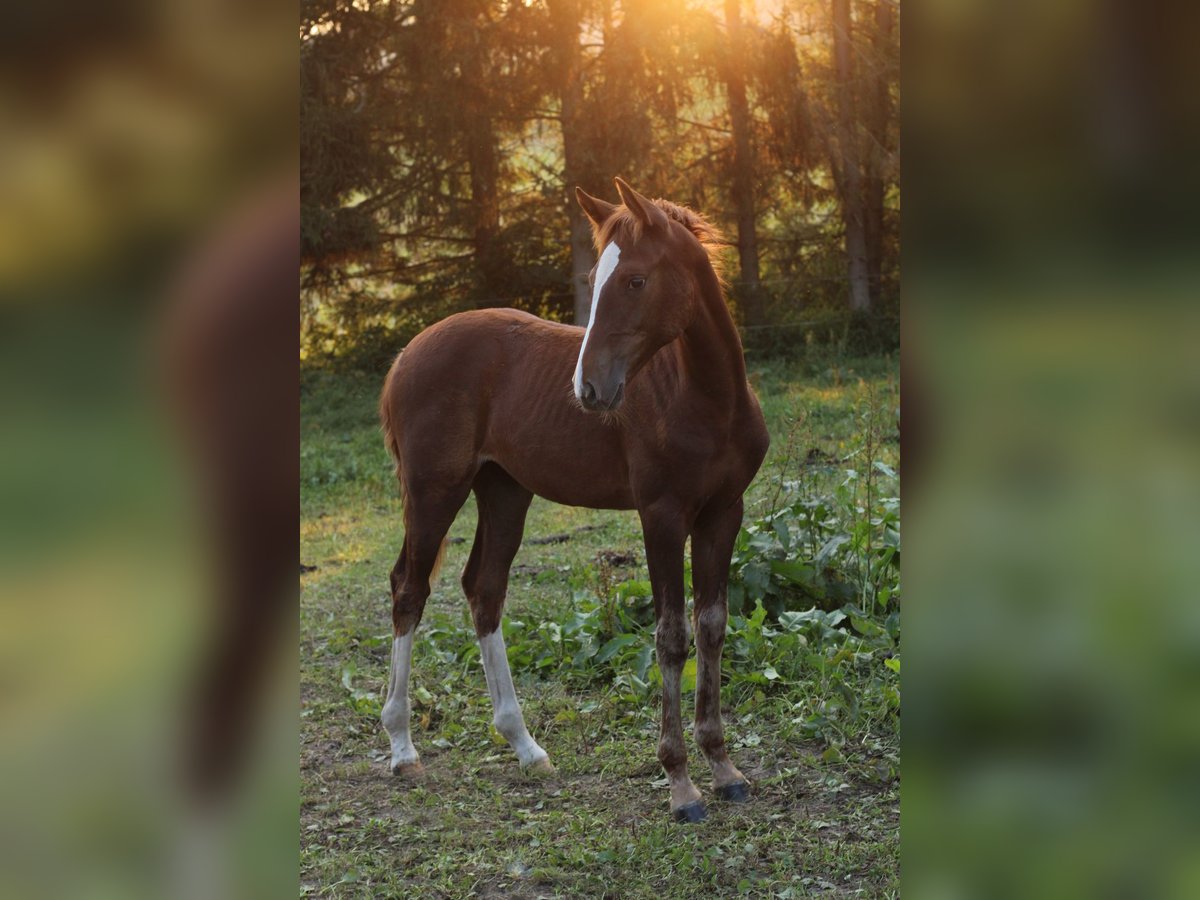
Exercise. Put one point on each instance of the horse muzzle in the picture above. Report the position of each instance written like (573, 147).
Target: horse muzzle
(602, 400)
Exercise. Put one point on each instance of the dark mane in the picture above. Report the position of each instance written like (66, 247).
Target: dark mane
(624, 224)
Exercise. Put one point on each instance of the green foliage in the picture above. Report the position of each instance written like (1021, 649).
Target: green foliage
(832, 535)
(824, 550)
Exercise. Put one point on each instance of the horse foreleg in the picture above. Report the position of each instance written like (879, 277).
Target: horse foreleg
(664, 556)
(712, 546)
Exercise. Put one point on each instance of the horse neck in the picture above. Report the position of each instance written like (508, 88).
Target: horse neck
(711, 348)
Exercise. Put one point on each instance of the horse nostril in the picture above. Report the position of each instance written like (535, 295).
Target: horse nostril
(618, 396)
(589, 393)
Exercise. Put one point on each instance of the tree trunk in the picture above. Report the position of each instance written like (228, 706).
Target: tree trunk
(851, 181)
(564, 15)
(750, 288)
(486, 206)
(482, 159)
(582, 260)
(878, 143)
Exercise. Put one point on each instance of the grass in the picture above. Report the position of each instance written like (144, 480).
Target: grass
(811, 703)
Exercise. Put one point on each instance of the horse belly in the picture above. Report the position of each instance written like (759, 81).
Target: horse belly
(563, 468)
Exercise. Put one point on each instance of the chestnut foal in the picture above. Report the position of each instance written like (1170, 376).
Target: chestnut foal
(658, 418)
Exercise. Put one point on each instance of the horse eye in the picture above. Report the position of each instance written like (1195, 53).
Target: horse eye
(637, 282)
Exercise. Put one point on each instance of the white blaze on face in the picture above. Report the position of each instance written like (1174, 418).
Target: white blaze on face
(507, 711)
(604, 270)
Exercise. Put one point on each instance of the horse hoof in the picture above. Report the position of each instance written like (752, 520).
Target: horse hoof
(738, 792)
(693, 812)
(408, 770)
(541, 768)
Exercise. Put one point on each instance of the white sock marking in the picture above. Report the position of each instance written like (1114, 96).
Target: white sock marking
(508, 719)
(396, 711)
(604, 269)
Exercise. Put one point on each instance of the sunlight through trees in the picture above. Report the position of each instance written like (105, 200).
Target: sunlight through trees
(440, 144)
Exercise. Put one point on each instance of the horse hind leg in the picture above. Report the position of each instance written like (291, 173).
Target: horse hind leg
(426, 525)
(396, 710)
(502, 507)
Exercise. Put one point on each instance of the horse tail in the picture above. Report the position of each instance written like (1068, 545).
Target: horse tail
(437, 560)
(391, 436)
(387, 421)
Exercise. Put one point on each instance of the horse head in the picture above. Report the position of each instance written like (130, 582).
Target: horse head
(643, 292)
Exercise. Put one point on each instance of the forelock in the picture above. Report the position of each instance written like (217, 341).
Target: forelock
(626, 229)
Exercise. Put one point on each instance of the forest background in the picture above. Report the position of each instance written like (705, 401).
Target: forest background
(441, 143)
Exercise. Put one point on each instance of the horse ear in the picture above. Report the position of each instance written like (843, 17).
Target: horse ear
(597, 210)
(648, 212)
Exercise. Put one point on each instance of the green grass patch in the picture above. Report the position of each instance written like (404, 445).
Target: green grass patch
(811, 676)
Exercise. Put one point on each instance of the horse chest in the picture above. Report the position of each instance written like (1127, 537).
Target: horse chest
(698, 460)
